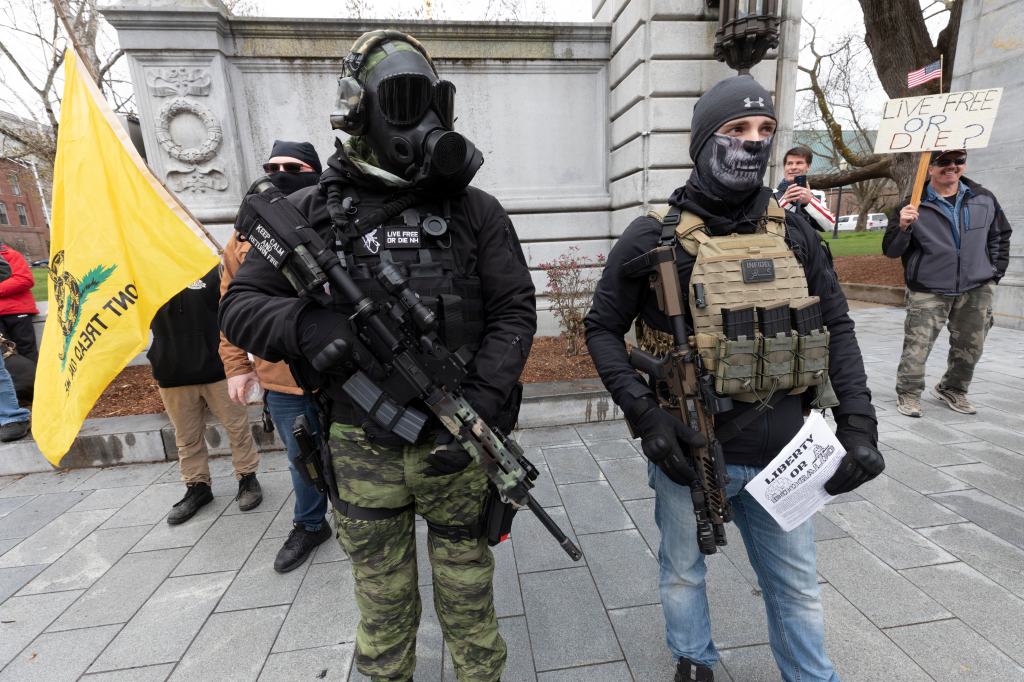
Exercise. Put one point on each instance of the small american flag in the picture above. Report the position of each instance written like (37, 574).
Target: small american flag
(930, 72)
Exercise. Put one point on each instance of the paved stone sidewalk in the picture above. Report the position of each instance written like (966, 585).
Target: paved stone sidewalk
(923, 569)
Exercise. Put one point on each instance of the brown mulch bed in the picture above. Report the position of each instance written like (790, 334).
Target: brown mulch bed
(134, 390)
(548, 362)
(877, 269)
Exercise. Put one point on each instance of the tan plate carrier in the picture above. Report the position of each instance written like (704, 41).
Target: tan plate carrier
(750, 369)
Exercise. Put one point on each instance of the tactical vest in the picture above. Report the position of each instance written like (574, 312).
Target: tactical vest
(756, 328)
(433, 269)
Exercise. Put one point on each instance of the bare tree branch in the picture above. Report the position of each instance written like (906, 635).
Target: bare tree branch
(36, 86)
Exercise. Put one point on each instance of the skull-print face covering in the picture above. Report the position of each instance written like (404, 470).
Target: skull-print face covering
(731, 168)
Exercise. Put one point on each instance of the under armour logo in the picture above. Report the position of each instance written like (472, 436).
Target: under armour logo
(747, 102)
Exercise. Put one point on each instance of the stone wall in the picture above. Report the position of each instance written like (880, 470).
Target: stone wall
(583, 126)
(989, 54)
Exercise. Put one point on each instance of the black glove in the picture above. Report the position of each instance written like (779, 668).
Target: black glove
(663, 439)
(858, 434)
(447, 457)
(326, 339)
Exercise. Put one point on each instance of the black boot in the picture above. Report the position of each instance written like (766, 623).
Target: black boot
(298, 546)
(249, 492)
(14, 431)
(197, 496)
(688, 671)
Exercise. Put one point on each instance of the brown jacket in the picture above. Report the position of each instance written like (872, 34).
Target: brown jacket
(273, 376)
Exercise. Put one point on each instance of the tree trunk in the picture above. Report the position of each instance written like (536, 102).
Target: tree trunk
(862, 218)
(896, 35)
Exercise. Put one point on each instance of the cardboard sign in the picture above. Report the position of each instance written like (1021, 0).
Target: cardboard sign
(954, 120)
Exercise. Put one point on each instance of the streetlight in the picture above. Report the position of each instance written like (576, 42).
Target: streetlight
(747, 29)
(843, 165)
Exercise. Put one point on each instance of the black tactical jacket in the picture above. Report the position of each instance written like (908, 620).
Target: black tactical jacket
(261, 313)
(619, 300)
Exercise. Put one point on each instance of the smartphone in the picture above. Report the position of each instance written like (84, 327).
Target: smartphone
(800, 180)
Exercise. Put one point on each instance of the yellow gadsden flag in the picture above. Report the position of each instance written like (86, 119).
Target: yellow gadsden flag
(120, 247)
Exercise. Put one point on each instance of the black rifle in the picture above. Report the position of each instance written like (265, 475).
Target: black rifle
(401, 335)
(693, 398)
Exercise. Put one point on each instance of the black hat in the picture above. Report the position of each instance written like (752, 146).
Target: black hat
(730, 98)
(942, 152)
(303, 151)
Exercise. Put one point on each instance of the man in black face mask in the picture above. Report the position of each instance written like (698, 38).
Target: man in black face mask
(292, 166)
(724, 204)
(397, 191)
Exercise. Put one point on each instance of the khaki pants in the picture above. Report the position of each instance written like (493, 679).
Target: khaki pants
(186, 407)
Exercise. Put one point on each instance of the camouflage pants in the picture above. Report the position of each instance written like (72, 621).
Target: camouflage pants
(968, 317)
(383, 555)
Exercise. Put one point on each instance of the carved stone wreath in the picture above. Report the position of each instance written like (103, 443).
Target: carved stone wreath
(193, 155)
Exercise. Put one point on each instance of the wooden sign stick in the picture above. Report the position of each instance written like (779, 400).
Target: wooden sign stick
(923, 160)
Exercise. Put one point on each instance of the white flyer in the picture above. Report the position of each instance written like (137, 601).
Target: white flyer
(792, 486)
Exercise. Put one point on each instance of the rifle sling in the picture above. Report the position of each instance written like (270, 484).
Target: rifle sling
(727, 432)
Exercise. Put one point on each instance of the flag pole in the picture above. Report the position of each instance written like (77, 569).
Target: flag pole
(58, 8)
(923, 160)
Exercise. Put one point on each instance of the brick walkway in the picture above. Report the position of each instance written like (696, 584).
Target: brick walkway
(923, 568)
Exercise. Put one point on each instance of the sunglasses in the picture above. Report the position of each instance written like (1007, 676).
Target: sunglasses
(405, 97)
(943, 162)
(290, 167)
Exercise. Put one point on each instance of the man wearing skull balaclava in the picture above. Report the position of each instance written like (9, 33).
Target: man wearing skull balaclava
(742, 261)
(397, 191)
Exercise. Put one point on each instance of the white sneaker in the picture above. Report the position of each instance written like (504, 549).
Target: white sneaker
(908, 405)
(956, 400)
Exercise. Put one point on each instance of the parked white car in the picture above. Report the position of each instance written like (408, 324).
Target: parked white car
(847, 222)
(877, 221)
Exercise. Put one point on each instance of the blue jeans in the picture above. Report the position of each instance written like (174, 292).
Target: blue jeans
(786, 572)
(310, 505)
(10, 413)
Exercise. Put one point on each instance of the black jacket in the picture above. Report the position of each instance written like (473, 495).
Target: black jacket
(261, 313)
(186, 337)
(619, 300)
(932, 262)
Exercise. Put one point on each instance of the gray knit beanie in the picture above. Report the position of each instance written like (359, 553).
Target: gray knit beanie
(731, 98)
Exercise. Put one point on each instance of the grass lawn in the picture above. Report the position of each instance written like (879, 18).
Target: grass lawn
(856, 243)
(39, 288)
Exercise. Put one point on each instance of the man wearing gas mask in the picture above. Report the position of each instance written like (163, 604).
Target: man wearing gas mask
(397, 191)
(786, 268)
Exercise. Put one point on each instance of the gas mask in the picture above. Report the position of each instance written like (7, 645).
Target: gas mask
(408, 116)
(729, 166)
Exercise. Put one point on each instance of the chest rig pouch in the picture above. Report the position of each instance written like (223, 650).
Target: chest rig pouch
(756, 328)
(419, 242)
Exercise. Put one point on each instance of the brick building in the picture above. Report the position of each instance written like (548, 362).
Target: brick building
(23, 223)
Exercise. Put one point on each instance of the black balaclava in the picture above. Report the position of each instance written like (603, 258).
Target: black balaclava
(426, 152)
(728, 173)
(727, 168)
(292, 182)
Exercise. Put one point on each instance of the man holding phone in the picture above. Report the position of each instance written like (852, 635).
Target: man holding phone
(794, 194)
